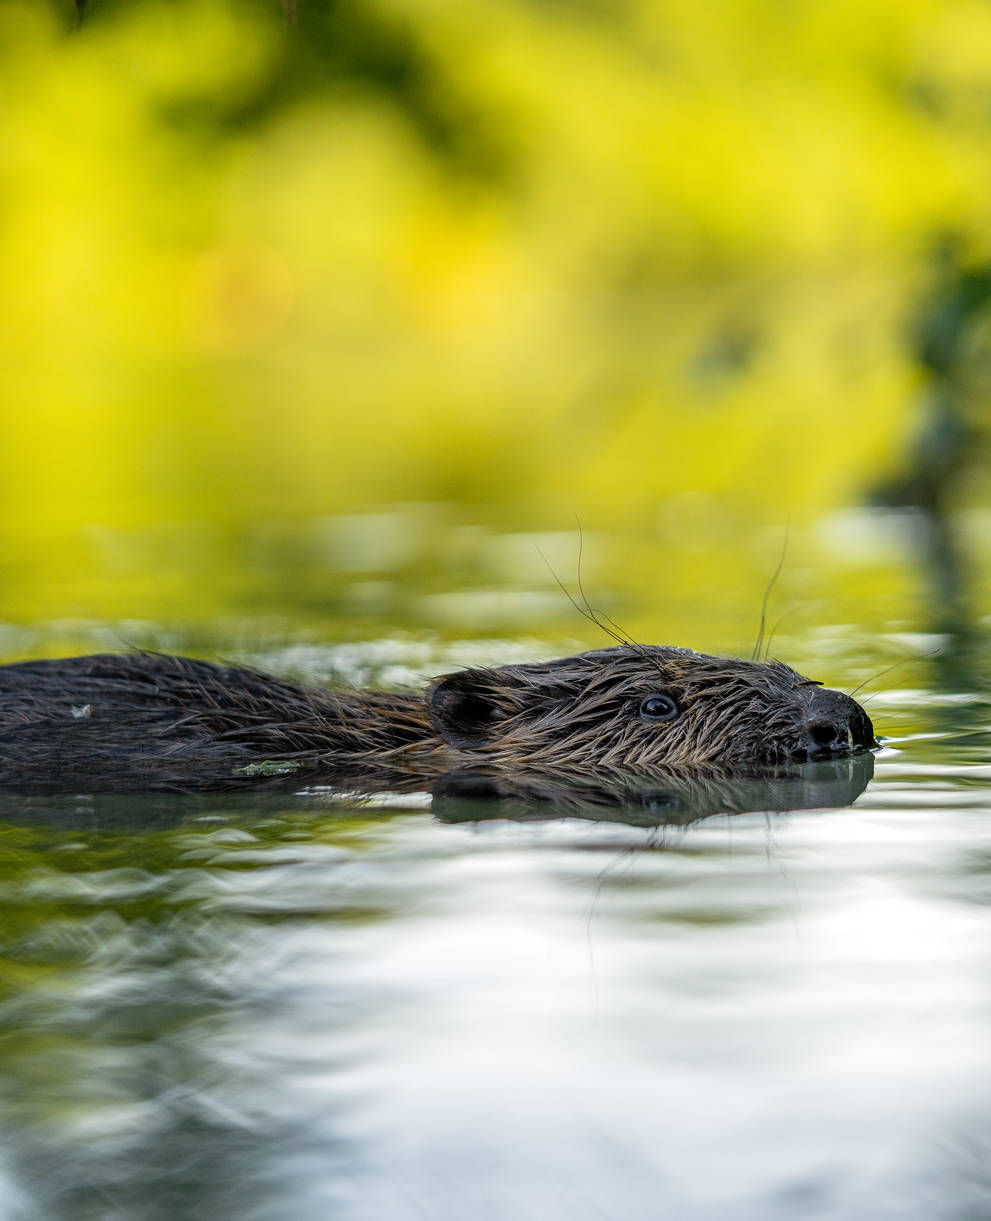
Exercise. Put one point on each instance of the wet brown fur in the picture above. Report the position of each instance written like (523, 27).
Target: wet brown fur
(114, 713)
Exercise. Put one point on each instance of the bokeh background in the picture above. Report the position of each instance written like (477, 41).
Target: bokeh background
(333, 319)
(323, 325)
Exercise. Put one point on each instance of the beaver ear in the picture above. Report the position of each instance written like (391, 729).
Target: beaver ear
(463, 709)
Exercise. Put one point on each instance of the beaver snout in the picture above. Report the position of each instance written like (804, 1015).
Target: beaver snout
(835, 724)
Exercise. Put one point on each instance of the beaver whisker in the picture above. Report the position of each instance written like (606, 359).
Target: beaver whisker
(894, 666)
(767, 593)
(586, 612)
(774, 630)
(621, 637)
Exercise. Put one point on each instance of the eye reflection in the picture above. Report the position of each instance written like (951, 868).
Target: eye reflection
(658, 708)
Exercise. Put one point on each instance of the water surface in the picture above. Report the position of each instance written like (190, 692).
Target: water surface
(385, 1008)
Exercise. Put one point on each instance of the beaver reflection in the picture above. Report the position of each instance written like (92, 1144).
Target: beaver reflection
(667, 798)
(151, 720)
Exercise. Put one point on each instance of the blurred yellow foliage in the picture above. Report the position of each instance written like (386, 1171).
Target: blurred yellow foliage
(634, 252)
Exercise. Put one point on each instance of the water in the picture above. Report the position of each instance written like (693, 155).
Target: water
(383, 1008)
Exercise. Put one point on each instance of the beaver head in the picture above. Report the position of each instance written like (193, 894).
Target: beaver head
(645, 705)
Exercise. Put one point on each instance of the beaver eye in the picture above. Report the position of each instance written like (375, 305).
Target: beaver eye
(658, 708)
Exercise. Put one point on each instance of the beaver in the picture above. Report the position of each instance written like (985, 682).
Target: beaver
(632, 706)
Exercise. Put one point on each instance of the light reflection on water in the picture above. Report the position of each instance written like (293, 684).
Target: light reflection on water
(312, 1006)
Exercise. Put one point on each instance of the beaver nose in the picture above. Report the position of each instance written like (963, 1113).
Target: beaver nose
(835, 724)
